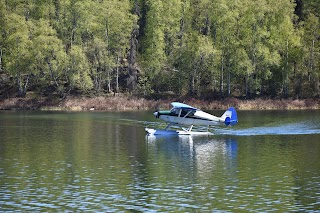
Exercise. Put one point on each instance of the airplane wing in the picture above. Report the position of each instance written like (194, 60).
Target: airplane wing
(183, 106)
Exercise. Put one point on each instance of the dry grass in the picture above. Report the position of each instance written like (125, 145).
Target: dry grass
(262, 104)
(107, 103)
(124, 103)
(24, 103)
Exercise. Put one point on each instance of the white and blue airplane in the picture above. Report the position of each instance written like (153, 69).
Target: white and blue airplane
(185, 115)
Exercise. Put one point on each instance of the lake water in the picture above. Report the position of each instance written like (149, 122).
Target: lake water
(104, 162)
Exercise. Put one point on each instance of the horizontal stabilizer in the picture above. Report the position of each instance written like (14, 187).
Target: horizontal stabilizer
(230, 117)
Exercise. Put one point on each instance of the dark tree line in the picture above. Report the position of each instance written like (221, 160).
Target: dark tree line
(200, 48)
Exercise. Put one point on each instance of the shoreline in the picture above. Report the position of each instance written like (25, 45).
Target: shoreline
(125, 103)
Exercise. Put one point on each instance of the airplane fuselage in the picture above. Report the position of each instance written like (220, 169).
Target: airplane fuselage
(196, 118)
(186, 121)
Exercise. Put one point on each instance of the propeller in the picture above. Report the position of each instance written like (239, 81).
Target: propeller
(156, 114)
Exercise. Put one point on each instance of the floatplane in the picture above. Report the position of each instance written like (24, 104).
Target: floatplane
(185, 115)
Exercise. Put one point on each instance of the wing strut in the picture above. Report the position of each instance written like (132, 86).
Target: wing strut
(187, 114)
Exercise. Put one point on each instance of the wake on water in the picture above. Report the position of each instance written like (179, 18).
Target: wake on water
(299, 128)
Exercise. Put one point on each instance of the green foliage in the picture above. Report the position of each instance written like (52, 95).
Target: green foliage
(311, 59)
(78, 69)
(200, 48)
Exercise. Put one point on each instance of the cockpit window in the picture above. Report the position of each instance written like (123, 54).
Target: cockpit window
(187, 112)
(174, 111)
(184, 112)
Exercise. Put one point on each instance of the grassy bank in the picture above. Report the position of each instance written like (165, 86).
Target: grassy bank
(123, 103)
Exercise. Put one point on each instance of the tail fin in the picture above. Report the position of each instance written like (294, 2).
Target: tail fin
(230, 117)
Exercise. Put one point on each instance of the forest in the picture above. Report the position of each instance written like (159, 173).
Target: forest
(196, 48)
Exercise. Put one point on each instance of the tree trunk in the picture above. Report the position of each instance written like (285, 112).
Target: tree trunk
(229, 74)
(221, 75)
(247, 86)
(229, 82)
(191, 84)
(117, 73)
(54, 79)
(132, 79)
(314, 74)
(109, 79)
(1, 58)
(286, 77)
(97, 81)
(22, 86)
(193, 79)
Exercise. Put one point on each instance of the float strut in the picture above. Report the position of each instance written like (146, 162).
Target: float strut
(169, 125)
(190, 128)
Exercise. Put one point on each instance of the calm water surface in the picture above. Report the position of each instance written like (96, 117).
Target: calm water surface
(104, 162)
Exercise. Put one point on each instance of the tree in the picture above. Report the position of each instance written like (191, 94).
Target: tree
(196, 47)
(2, 31)
(106, 27)
(311, 27)
(50, 58)
(154, 56)
(162, 27)
(283, 42)
(18, 54)
(78, 70)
